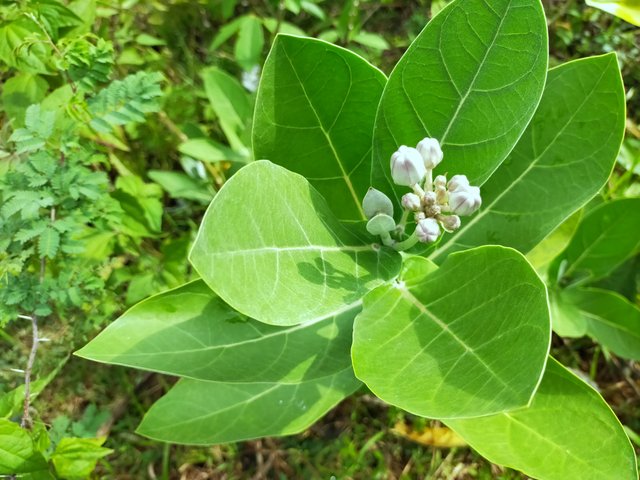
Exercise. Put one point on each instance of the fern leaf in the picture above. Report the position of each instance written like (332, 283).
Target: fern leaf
(48, 243)
(126, 101)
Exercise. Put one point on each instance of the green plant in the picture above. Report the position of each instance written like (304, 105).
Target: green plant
(300, 302)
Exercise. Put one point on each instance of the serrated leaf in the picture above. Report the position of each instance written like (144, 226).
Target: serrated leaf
(205, 413)
(76, 458)
(568, 432)
(314, 115)
(268, 234)
(557, 166)
(48, 243)
(205, 339)
(605, 238)
(472, 79)
(450, 344)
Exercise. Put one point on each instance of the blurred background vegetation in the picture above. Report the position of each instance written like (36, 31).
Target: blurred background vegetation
(153, 103)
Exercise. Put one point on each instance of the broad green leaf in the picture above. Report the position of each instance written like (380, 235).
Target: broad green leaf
(231, 103)
(191, 332)
(628, 10)
(76, 458)
(561, 161)
(314, 115)
(19, 92)
(605, 238)
(17, 450)
(609, 318)
(270, 247)
(249, 43)
(472, 79)
(568, 432)
(469, 339)
(205, 413)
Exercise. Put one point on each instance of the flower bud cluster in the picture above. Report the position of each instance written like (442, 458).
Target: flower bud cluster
(435, 203)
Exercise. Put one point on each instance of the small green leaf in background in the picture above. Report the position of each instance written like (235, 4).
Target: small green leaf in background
(609, 318)
(19, 92)
(272, 249)
(450, 344)
(472, 79)
(76, 458)
(568, 432)
(205, 339)
(210, 151)
(205, 413)
(606, 237)
(17, 450)
(628, 10)
(181, 185)
(231, 104)
(249, 43)
(314, 116)
(557, 166)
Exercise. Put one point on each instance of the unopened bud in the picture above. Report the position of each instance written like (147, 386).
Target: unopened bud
(431, 152)
(381, 224)
(465, 201)
(449, 223)
(441, 195)
(407, 166)
(440, 181)
(376, 202)
(458, 181)
(411, 201)
(429, 199)
(419, 216)
(427, 230)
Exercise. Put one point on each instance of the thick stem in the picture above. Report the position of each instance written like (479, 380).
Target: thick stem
(428, 181)
(27, 422)
(387, 240)
(406, 244)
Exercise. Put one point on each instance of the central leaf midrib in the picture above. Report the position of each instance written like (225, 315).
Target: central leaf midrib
(343, 171)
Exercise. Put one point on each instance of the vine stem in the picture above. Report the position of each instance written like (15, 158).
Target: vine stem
(26, 415)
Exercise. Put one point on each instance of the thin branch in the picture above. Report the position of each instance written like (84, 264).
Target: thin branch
(27, 422)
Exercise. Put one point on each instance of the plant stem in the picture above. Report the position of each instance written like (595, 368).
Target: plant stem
(26, 416)
(406, 244)
(403, 222)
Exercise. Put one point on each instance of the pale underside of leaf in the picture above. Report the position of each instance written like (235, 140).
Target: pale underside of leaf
(272, 249)
(204, 413)
(451, 345)
(204, 339)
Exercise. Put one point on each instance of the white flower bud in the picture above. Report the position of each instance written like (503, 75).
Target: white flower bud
(465, 201)
(449, 223)
(431, 152)
(429, 199)
(381, 224)
(427, 230)
(419, 216)
(407, 166)
(458, 181)
(376, 202)
(411, 201)
(440, 181)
